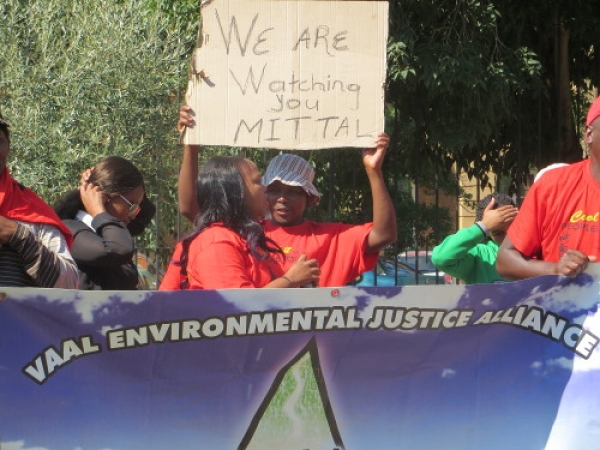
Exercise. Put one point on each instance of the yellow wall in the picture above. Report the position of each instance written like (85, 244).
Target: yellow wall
(466, 209)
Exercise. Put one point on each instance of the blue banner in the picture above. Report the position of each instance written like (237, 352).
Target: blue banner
(502, 366)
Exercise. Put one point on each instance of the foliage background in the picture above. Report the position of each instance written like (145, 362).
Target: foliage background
(83, 80)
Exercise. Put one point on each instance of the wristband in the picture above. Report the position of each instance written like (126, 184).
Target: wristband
(292, 284)
(483, 229)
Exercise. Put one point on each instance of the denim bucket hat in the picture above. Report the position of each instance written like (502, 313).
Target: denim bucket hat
(291, 170)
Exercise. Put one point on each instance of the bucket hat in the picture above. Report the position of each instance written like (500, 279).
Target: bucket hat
(291, 170)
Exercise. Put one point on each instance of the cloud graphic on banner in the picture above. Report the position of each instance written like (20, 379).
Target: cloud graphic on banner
(542, 368)
(448, 373)
(92, 303)
(100, 303)
(563, 363)
(18, 445)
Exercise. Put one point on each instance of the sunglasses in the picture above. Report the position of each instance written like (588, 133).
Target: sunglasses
(134, 208)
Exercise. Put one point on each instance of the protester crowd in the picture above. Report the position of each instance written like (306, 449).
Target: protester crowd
(250, 231)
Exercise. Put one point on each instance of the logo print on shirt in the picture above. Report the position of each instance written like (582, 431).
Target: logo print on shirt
(580, 216)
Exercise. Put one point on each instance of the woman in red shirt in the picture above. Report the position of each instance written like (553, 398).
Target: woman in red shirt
(228, 248)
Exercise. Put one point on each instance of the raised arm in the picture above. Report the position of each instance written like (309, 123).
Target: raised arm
(384, 230)
(453, 255)
(109, 243)
(188, 172)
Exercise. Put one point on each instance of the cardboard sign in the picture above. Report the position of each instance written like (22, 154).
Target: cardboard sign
(294, 75)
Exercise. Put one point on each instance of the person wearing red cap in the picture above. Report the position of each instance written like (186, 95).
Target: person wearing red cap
(34, 243)
(343, 251)
(557, 230)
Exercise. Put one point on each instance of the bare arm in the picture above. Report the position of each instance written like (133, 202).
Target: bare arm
(304, 272)
(513, 265)
(188, 173)
(384, 230)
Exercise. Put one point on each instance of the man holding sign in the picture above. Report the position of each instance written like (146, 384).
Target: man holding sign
(343, 251)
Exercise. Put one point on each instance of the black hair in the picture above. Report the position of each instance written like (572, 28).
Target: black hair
(66, 206)
(139, 223)
(116, 175)
(221, 198)
(113, 174)
(4, 127)
(501, 200)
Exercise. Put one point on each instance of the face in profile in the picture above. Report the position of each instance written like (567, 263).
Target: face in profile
(125, 207)
(255, 198)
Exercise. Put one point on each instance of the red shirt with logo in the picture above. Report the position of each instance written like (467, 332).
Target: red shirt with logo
(339, 248)
(560, 212)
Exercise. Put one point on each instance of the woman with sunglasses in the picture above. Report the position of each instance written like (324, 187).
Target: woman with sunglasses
(104, 214)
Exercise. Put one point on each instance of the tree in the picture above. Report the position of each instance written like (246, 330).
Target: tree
(490, 87)
(83, 80)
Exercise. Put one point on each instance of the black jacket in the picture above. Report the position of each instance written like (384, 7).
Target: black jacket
(104, 257)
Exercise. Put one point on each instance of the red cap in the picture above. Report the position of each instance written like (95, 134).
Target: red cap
(594, 112)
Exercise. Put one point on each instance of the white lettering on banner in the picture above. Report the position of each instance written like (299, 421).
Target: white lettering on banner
(318, 319)
(546, 324)
(51, 359)
(422, 319)
(529, 318)
(503, 316)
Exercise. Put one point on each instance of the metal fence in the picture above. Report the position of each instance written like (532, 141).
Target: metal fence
(397, 266)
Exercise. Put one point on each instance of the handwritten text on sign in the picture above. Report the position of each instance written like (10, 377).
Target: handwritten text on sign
(289, 74)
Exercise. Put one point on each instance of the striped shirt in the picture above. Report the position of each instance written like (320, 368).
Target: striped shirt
(37, 255)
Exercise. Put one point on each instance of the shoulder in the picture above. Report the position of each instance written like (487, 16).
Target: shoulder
(216, 233)
(332, 227)
(50, 236)
(42, 229)
(76, 227)
(572, 173)
(556, 184)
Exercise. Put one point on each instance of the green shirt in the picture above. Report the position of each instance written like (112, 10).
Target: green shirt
(468, 256)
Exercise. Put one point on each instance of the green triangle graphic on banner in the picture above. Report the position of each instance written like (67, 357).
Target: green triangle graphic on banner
(296, 413)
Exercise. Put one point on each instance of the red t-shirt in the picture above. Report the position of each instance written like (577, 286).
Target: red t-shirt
(560, 212)
(339, 248)
(219, 259)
